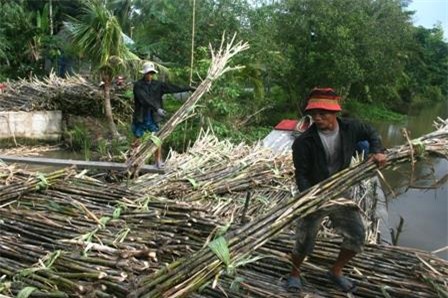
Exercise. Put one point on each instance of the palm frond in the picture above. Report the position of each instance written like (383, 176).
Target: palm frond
(98, 36)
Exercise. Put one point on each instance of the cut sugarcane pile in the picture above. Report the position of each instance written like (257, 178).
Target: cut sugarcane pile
(77, 236)
(72, 95)
(212, 167)
(188, 275)
(80, 237)
(48, 93)
(67, 235)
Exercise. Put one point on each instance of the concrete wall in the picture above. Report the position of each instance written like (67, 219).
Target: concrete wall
(41, 125)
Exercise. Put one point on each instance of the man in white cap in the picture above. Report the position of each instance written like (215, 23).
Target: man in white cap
(148, 104)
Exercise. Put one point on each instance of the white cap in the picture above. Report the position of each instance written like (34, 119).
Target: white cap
(148, 67)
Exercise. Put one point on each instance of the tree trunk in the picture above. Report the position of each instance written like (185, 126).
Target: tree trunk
(108, 109)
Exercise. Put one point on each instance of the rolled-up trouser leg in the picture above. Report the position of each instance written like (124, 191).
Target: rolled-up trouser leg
(306, 231)
(347, 222)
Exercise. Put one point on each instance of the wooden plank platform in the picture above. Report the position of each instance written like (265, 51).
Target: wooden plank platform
(80, 164)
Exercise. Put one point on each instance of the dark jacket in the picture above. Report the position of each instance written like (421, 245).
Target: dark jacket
(308, 152)
(148, 96)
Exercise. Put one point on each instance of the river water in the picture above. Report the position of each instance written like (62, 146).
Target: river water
(425, 211)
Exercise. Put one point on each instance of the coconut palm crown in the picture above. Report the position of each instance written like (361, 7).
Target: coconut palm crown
(98, 37)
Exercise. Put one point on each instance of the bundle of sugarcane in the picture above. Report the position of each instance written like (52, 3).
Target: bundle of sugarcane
(38, 182)
(72, 95)
(48, 93)
(187, 275)
(212, 167)
(217, 68)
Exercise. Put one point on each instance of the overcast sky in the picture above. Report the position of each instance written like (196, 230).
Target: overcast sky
(429, 12)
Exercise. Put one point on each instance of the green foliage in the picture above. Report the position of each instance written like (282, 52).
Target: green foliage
(220, 247)
(26, 292)
(427, 67)
(16, 59)
(372, 112)
(367, 50)
(80, 140)
(43, 182)
(98, 36)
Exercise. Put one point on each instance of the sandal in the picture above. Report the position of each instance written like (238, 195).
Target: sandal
(342, 282)
(293, 284)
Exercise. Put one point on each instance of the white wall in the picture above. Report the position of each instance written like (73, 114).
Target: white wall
(42, 125)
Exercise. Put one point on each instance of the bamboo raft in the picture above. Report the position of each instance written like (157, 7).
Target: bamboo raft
(65, 234)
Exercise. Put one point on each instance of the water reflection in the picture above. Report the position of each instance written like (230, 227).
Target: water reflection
(425, 211)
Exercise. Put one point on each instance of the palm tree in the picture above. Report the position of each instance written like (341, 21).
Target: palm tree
(98, 37)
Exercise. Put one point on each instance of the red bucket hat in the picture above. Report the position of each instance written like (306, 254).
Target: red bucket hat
(323, 99)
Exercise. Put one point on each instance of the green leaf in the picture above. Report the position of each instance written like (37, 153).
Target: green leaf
(153, 138)
(117, 212)
(419, 147)
(43, 182)
(384, 291)
(223, 229)
(235, 285)
(104, 220)
(193, 183)
(26, 292)
(52, 258)
(28, 271)
(122, 234)
(220, 248)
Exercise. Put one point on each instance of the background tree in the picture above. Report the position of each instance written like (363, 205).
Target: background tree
(367, 49)
(427, 68)
(99, 38)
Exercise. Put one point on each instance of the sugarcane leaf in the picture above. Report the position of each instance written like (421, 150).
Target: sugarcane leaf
(43, 182)
(117, 212)
(216, 279)
(52, 258)
(235, 285)
(205, 285)
(246, 261)
(441, 292)
(26, 292)
(418, 147)
(122, 234)
(384, 291)
(55, 206)
(88, 236)
(28, 271)
(104, 220)
(221, 249)
(153, 138)
(223, 229)
(193, 183)
(262, 200)
(5, 286)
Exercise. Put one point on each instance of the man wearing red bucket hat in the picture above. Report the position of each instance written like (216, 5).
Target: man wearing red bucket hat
(324, 149)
